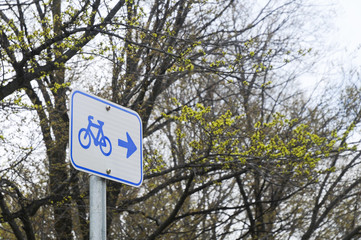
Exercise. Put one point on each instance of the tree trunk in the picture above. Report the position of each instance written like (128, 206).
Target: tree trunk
(57, 154)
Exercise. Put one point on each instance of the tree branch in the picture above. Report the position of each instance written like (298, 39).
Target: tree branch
(176, 209)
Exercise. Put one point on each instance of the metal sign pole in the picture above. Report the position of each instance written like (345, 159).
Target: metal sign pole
(97, 192)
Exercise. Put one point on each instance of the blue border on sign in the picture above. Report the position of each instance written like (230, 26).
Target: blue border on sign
(96, 172)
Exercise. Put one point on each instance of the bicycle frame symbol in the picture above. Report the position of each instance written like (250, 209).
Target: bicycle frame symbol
(85, 135)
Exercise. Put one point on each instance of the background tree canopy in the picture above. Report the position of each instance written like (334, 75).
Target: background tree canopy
(232, 147)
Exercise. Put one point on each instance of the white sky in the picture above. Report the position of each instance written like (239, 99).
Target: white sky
(348, 23)
(342, 43)
(345, 37)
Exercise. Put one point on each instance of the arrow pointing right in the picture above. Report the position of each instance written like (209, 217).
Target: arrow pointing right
(129, 145)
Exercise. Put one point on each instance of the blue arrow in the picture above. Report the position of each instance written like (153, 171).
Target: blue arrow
(129, 144)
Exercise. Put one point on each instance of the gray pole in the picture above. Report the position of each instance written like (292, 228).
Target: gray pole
(97, 192)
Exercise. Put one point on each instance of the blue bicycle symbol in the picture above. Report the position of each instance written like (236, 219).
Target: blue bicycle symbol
(85, 135)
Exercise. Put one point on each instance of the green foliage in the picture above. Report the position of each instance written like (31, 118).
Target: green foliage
(212, 137)
(289, 146)
(281, 145)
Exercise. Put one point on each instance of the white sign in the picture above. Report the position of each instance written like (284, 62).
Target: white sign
(105, 139)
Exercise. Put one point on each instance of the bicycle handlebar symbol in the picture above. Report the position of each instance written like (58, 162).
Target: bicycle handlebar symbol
(85, 135)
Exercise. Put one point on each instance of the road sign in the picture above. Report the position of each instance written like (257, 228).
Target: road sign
(105, 139)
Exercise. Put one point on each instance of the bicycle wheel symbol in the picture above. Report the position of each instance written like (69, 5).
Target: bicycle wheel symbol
(84, 138)
(86, 135)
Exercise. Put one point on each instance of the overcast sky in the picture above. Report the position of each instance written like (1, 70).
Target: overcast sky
(348, 23)
(342, 43)
(346, 33)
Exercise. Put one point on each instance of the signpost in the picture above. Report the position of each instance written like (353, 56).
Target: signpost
(105, 140)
